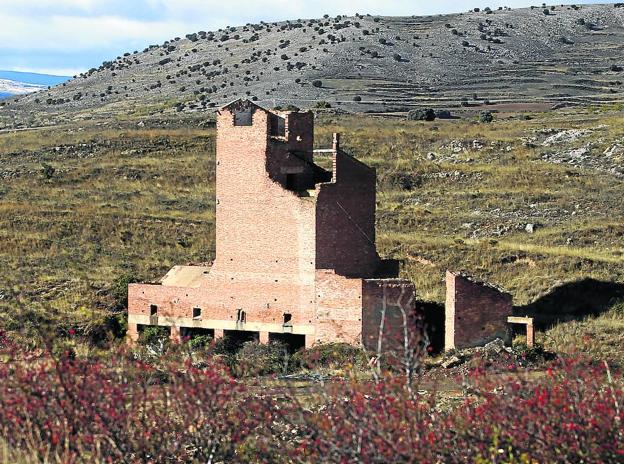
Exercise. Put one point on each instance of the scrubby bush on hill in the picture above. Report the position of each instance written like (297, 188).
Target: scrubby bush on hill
(486, 117)
(421, 115)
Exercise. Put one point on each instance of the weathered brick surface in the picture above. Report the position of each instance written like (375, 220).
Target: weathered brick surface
(339, 308)
(476, 313)
(345, 220)
(389, 308)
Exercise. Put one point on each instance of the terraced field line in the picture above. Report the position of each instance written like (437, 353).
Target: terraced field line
(574, 252)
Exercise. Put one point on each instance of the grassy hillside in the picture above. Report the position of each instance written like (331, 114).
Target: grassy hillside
(527, 204)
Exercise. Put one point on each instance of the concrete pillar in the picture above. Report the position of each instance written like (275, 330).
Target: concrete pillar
(264, 338)
(218, 333)
(530, 333)
(175, 336)
(132, 335)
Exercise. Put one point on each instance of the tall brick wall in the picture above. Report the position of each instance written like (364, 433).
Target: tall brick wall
(265, 257)
(475, 314)
(345, 220)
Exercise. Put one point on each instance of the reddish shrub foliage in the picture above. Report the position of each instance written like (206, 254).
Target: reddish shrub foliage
(76, 410)
(573, 413)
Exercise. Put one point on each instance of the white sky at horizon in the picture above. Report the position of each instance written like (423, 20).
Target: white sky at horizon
(66, 37)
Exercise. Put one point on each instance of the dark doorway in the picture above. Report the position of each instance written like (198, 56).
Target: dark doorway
(294, 342)
(190, 333)
(234, 339)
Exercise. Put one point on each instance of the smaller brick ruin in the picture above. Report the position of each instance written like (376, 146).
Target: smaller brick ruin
(476, 312)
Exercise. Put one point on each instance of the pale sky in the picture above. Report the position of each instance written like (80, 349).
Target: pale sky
(65, 37)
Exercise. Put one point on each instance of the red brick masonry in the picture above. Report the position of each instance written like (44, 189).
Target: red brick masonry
(476, 313)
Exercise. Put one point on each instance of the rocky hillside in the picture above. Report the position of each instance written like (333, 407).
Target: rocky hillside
(542, 56)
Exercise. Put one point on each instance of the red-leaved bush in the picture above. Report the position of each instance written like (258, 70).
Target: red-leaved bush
(572, 413)
(77, 410)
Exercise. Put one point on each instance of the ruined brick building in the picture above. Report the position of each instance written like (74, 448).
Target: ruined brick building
(295, 244)
(295, 251)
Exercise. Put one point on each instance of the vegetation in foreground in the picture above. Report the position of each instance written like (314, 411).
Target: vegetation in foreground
(121, 409)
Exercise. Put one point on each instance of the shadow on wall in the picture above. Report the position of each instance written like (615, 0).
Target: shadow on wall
(434, 323)
(572, 301)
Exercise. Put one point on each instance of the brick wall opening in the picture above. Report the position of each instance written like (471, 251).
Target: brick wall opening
(293, 342)
(287, 319)
(243, 117)
(153, 310)
(197, 313)
(192, 333)
(278, 126)
(234, 339)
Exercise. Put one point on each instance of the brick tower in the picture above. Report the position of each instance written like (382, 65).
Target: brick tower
(295, 245)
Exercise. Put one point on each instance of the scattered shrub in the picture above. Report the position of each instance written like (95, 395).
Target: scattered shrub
(48, 171)
(330, 355)
(109, 412)
(317, 83)
(486, 117)
(119, 289)
(421, 114)
(199, 342)
(154, 337)
(357, 98)
(255, 359)
(72, 408)
(573, 410)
